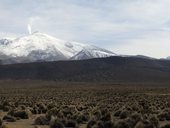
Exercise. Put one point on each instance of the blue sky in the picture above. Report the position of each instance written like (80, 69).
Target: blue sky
(123, 26)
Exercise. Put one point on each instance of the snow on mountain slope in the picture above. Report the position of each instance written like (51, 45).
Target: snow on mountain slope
(37, 41)
(89, 52)
(42, 47)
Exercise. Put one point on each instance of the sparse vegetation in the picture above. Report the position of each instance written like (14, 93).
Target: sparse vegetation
(79, 105)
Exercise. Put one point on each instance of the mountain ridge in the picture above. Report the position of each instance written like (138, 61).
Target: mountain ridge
(110, 69)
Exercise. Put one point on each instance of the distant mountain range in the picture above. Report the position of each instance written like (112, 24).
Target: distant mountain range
(42, 47)
(110, 69)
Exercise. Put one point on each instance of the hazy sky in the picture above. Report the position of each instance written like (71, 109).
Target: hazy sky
(123, 26)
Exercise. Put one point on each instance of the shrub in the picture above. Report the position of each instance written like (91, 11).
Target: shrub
(108, 124)
(121, 124)
(41, 120)
(71, 124)
(6, 108)
(42, 108)
(9, 118)
(52, 112)
(97, 115)
(106, 116)
(56, 123)
(131, 123)
(35, 111)
(82, 118)
(100, 124)
(162, 116)
(104, 111)
(123, 114)
(23, 114)
(144, 124)
(117, 113)
(91, 123)
(154, 120)
(23, 107)
(139, 125)
(6, 103)
(136, 117)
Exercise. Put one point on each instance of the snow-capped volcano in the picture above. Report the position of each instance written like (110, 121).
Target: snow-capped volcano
(42, 47)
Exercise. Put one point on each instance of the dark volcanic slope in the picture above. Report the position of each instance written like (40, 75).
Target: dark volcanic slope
(122, 69)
